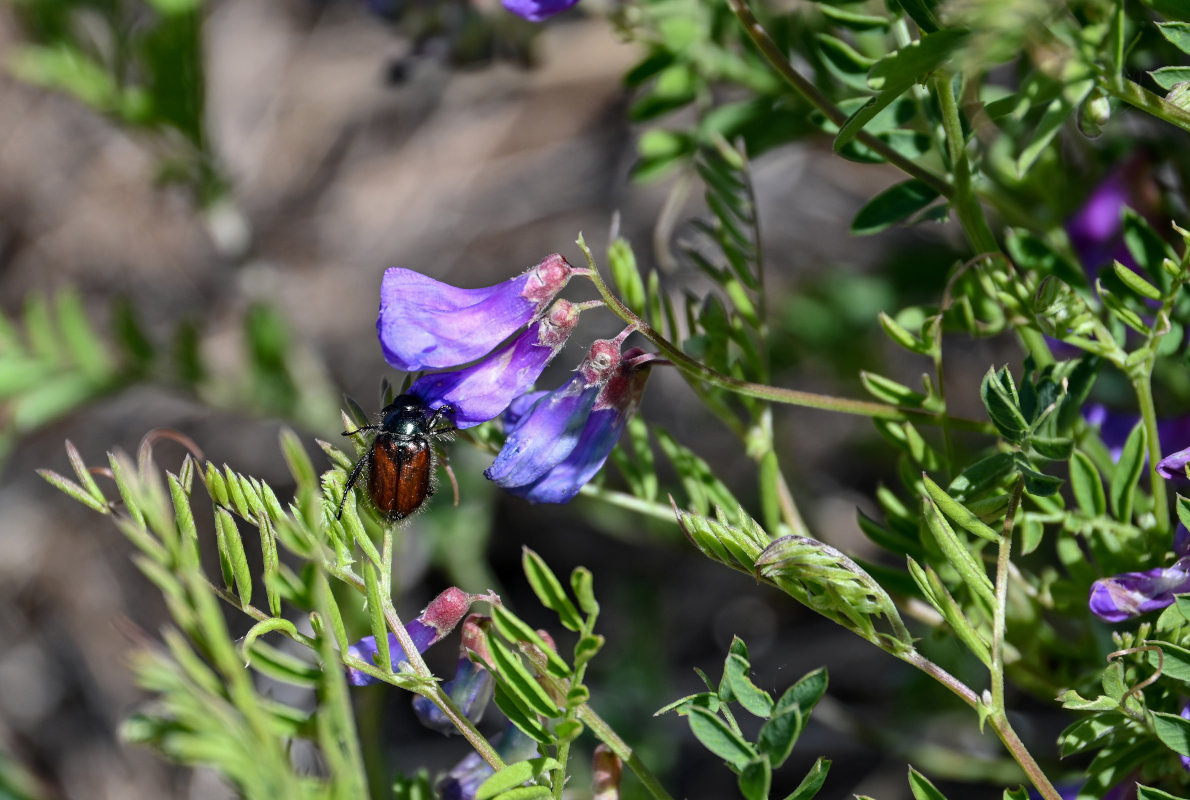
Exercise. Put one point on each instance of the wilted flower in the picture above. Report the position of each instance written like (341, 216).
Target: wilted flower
(480, 392)
(437, 620)
(471, 687)
(1131, 594)
(427, 324)
(538, 10)
(562, 440)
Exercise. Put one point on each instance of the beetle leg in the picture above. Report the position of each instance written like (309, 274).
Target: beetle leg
(361, 430)
(351, 479)
(443, 413)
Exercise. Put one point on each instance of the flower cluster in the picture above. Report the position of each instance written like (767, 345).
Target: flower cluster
(556, 441)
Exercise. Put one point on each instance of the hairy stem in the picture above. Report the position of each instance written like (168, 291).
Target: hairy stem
(698, 371)
(802, 85)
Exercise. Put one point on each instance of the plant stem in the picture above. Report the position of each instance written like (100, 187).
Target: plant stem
(966, 205)
(605, 734)
(698, 371)
(777, 60)
(436, 695)
(1143, 386)
(1000, 613)
(1136, 95)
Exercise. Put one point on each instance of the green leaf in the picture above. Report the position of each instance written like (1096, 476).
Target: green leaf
(981, 476)
(521, 716)
(231, 546)
(514, 775)
(583, 586)
(518, 681)
(956, 552)
(755, 779)
(1149, 793)
(515, 629)
(780, 733)
(1178, 33)
(720, 739)
(853, 20)
(813, 781)
(74, 490)
(626, 275)
(922, 788)
(754, 699)
(1127, 474)
(1088, 732)
(549, 589)
(379, 624)
(1173, 661)
(999, 395)
(1173, 731)
(1135, 282)
(962, 516)
(1037, 483)
(1169, 77)
(1086, 485)
(260, 629)
(893, 205)
(894, 74)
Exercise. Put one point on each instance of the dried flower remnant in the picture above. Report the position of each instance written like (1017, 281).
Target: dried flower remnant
(427, 324)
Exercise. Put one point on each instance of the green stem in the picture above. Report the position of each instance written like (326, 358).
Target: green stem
(605, 734)
(966, 204)
(1139, 97)
(1000, 613)
(1143, 386)
(701, 372)
(436, 695)
(777, 60)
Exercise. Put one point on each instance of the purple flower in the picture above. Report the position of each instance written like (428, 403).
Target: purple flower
(537, 10)
(437, 620)
(480, 392)
(1096, 230)
(426, 324)
(562, 440)
(471, 687)
(1131, 594)
(1173, 466)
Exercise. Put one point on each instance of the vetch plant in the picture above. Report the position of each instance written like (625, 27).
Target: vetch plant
(1024, 541)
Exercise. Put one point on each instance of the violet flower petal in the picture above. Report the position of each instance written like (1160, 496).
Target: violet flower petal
(482, 391)
(562, 482)
(427, 324)
(615, 405)
(1174, 465)
(537, 10)
(545, 435)
(437, 620)
(1131, 594)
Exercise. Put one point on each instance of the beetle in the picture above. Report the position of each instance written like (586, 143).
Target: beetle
(401, 458)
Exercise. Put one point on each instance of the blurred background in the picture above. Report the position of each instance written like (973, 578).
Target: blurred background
(242, 231)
